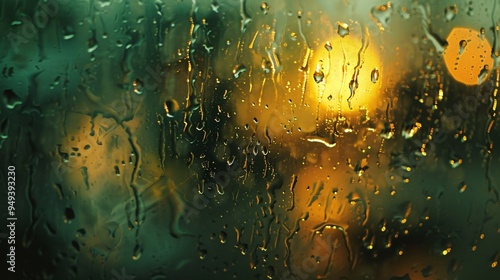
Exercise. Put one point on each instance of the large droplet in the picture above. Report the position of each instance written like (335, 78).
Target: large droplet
(381, 14)
(482, 74)
(461, 46)
(137, 252)
(450, 12)
(343, 29)
(318, 76)
(171, 107)
(11, 99)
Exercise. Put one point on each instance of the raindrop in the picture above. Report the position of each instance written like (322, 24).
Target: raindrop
(462, 187)
(270, 272)
(482, 74)
(264, 7)
(11, 99)
(215, 6)
(4, 129)
(69, 215)
(85, 175)
(223, 237)
(353, 197)
(138, 86)
(375, 75)
(238, 70)
(482, 32)
(462, 45)
(318, 75)
(266, 65)
(328, 46)
(117, 171)
(92, 45)
(231, 160)
(388, 131)
(410, 129)
(382, 14)
(343, 29)
(455, 161)
(203, 254)
(171, 107)
(137, 252)
(68, 33)
(450, 12)
(103, 3)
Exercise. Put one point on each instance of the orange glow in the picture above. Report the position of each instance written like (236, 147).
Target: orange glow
(467, 56)
(348, 64)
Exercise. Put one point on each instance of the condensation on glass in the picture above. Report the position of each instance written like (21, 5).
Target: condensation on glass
(221, 139)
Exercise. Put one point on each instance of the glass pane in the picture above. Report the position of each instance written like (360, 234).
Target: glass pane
(221, 139)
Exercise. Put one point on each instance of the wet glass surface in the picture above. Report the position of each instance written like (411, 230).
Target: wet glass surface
(241, 139)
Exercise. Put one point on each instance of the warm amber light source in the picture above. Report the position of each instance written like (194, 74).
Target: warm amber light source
(467, 56)
(351, 65)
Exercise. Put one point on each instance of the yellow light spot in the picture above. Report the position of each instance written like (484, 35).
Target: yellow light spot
(466, 55)
(332, 55)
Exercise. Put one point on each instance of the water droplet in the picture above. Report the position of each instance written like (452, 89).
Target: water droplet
(318, 76)
(266, 65)
(270, 272)
(264, 7)
(462, 45)
(223, 237)
(69, 215)
(375, 75)
(4, 129)
(68, 33)
(455, 161)
(203, 254)
(328, 46)
(462, 187)
(388, 131)
(450, 12)
(382, 14)
(137, 252)
(238, 70)
(343, 29)
(353, 197)
(85, 175)
(410, 129)
(92, 45)
(117, 171)
(482, 74)
(171, 107)
(103, 3)
(138, 86)
(11, 99)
